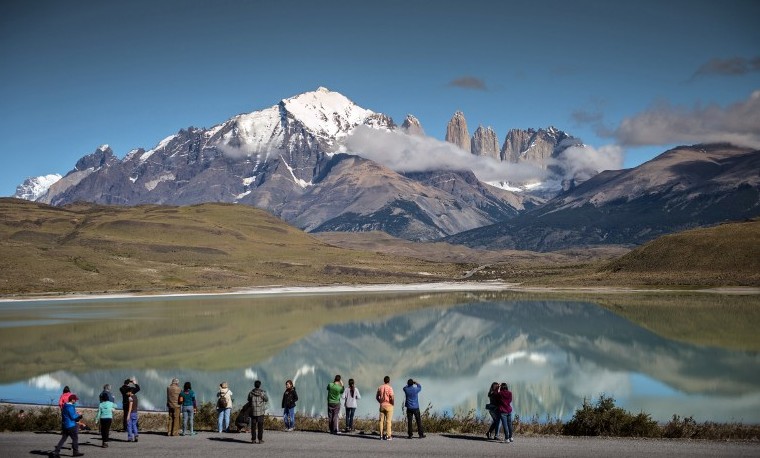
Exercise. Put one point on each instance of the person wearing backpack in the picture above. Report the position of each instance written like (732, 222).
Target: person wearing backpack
(224, 407)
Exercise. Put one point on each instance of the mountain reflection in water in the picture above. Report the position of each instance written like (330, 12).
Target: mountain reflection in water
(553, 354)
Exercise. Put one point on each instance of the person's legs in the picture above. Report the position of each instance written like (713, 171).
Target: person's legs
(65, 434)
(219, 419)
(191, 414)
(409, 415)
(187, 419)
(176, 419)
(350, 411)
(418, 419)
(509, 425)
(504, 421)
(382, 423)
(390, 422)
(260, 427)
(293, 418)
(494, 429)
(74, 433)
(105, 429)
(333, 413)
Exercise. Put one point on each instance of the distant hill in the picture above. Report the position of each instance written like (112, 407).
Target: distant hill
(728, 254)
(92, 248)
(683, 188)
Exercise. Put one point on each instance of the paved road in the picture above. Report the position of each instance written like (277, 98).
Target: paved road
(314, 444)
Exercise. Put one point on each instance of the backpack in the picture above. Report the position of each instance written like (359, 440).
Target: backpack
(222, 402)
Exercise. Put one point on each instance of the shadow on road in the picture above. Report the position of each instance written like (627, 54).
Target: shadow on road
(468, 438)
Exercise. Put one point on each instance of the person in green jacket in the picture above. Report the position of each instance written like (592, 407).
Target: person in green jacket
(334, 390)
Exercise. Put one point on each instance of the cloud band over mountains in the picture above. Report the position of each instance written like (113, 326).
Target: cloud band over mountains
(410, 153)
(667, 124)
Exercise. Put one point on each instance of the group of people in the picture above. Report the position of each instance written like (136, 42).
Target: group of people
(500, 407)
(182, 406)
(338, 395)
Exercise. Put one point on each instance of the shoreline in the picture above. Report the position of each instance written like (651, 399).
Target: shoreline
(377, 288)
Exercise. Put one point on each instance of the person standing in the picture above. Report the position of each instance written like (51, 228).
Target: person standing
(104, 417)
(334, 391)
(189, 407)
(350, 399)
(258, 399)
(173, 407)
(493, 409)
(131, 411)
(412, 404)
(505, 410)
(64, 398)
(128, 383)
(107, 392)
(69, 426)
(223, 407)
(386, 399)
(289, 398)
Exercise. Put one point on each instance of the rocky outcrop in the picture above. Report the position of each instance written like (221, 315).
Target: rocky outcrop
(412, 126)
(457, 133)
(537, 147)
(484, 143)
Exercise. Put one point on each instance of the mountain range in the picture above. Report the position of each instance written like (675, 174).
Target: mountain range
(297, 161)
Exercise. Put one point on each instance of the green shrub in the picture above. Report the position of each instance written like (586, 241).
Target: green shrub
(604, 419)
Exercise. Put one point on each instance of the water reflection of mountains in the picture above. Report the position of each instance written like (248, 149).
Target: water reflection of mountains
(553, 354)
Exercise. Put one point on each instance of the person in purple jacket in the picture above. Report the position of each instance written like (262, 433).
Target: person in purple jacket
(412, 405)
(505, 410)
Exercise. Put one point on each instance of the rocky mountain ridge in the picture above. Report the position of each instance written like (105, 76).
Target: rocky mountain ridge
(284, 159)
(683, 188)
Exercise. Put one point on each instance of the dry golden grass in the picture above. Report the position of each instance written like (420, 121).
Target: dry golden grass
(87, 248)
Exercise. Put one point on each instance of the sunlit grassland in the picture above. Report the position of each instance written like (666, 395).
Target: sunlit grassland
(147, 248)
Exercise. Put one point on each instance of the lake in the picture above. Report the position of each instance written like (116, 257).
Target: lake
(552, 352)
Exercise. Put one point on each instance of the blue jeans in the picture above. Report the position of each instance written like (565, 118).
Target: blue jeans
(350, 411)
(223, 423)
(506, 422)
(187, 416)
(132, 426)
(289, 416)
(495, 417)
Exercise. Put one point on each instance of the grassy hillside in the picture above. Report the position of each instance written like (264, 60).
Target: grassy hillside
(202, 247)
(728, 254)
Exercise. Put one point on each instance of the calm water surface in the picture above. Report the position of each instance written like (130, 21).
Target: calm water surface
(553, 353)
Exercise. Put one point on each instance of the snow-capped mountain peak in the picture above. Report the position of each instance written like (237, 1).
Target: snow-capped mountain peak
(326, 113)
(34, 187)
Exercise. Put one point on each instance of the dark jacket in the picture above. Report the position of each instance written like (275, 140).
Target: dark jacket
(124, 397)
(289, 398)
(245, 413)
(258, 399)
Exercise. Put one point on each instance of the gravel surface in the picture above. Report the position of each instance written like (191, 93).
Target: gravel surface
(316, 444)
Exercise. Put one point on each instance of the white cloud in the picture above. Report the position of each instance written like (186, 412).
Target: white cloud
(411, 153)
(665, 124)
(583, 162)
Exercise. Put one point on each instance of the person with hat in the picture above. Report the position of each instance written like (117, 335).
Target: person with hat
(224, 407)
(70, 420)
(172, 405)
(130, 383)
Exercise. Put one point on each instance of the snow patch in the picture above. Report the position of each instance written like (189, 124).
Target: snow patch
(298, 181)
(151, 185)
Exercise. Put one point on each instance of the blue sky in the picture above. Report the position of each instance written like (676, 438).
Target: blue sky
(642, 76)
